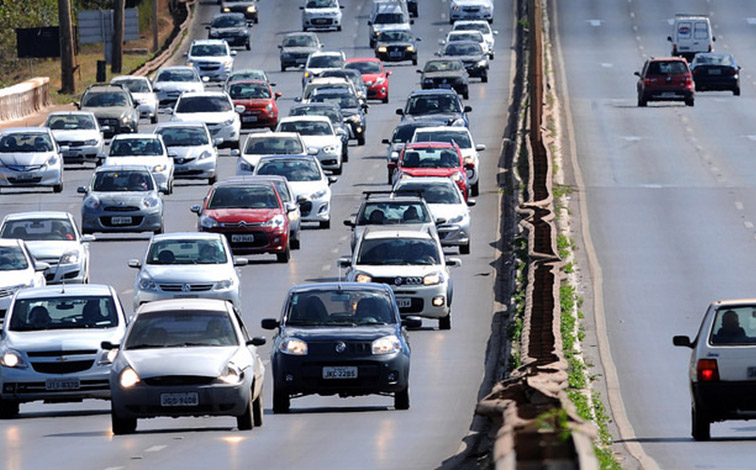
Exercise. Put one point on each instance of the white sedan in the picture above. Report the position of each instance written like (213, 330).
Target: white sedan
(216, 110)
(319, 135)
(143, 149)
(30, 157)
(194, 151)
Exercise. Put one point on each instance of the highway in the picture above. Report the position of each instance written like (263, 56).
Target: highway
(668, 199)
(321, 432)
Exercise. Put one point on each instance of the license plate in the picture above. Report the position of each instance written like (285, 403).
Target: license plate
(404, 302)
(669, 95)
(715, 72)
(25, 177)
(69, 383)
(179, 399)
(120, 220)
(344, 372)
(249, 118)
(395, 54)
(237, 238)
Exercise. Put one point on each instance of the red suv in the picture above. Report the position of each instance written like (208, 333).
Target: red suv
(431, 159)
(251, 216)
(665, 79)
(259, 101)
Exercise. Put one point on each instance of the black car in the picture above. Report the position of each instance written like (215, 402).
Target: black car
(297, 47)
(247, 7)
(412, 8)
(402, 134)
(471, 55)
(353, 111)
(716, 71)
(441, 106)
(232, 27)
(343, 339)
(333, 112)
(445, 73)
(396, 46)
(353, 76)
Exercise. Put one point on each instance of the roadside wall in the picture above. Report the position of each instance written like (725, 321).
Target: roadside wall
(24, 98)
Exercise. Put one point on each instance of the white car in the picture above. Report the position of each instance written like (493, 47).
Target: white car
(216, 110)
(471, 10)
(318, 134)
(478, 25)
(80, 132)
(475, 36)
(192, 149)
(141, 90)
(388, 16)
(18, 270)
(464, 139)
(171, 82)
(30, 157)
(318, 62)
(333, 84)
(308, 181)
(412, 263)
(147, 150)
(187, 265)
(212, 58)
(321, 14)
(261, 144)
(53, 238)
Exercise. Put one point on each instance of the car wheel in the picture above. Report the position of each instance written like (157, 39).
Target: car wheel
(402, 399)
(736, 91)
(361, 137)
(58, 188)
(257, 410)
(690, 102)
(414, 61)
(338, 28)
(159, 230)
(326, 224)
(154, 118)
(464, 249)
(444, 323)
(122, 425)
(491, 55)
(641, 102)
(385, 100)
(390, 175)
(295, 243)
(466, 94)
(345, 155)
(700, 425)
(474, 189)
(213, 180)
(170, 187)
(8, 409)
(484, 78)
(281, 401)
(338, 171)
(245, 421)
(248, 45)
(284, 256)
(283, 67)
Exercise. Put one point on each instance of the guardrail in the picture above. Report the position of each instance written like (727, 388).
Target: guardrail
(182, 8)
(24, 99)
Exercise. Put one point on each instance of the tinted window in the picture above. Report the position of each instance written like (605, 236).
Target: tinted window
(365, 67)
(339, 307)
(292, 170)
(229, 22)
(70, 122)
(138, 147)
(39, 229)
(398, 252)
(12, 258)
(432, 104)
(249, 91)
(208, 50)
(176, 76)
(183, 328)
(733, 326)
(273, 146)
(460, 138)
(435, 193)
(204, 104)
(183, 136)
(134, 85)
(299, 41)
(108, 99)
(325, 61)
(25, 142)
(62, 313)
(243, 197)
(188, 251)
(384, 213)
(108, 181)
(430, 158)
(306, 127)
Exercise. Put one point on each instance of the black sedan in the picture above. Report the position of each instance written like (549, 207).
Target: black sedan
(396, 46)
(343, 339)
(471, 54)
(353, 111)
(297, 47)
(445, 73)
(716, 71)
(232, 27)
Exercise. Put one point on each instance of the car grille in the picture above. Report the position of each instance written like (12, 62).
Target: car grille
(241, 224)
(400, 280)
(185, 287)
(135, 220)
(178, 380)
(322, 21)
(328, 348)
(109, 122)
(305, 208)
(35, 179)
(67, 367)
(71, 143)
(471, 9)
(121, 208)
(69, 352)
(299, 55)
(208, 66)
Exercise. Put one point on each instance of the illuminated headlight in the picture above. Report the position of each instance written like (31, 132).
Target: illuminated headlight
(307, 74)
(70, 257)
(224, 284)
(251, 9)
(230, 122)
(205, 155)
(107, 357)
(190, 63)
(231, 375)
(90, 142)
(481, 63)
(459, 122)
(438, 301)
(12, 359)
(146, 283)
(293, 215)
(382, 49)
(150, 201)
(293, 346)
(362, 277)
(159, 168)
(206, 221)
(126, 119)
(128, 378)
(276, 222)
(329, 149)
(410, 48)
(91, 203)
(386, 345)
(432, 279)
(456, 176)
(226, 10)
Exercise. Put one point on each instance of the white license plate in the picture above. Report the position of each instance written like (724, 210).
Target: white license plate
(404, 302)
(343, 372)
(715, 72)
(444, 85)
(395, 54)
(179, 399)
(25, 177)
(69, 383)
(669, 95)
(120, 220)
(237, 238)
(249, 118)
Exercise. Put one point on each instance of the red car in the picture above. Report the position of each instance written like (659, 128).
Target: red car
(665, 79)
(431, 159)
(259, 102)
(374, 75)
(251, 216)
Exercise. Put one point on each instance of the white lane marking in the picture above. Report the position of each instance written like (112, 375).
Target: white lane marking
(739, 205)
(335, 250)
(631, 138)
(595, 23)
(635, 28)
(751, 137)
(114, 468)
(155, 448)
(632, 14)
(748, 224)
(751, 20)
(715, 169)
(652, 186)
(376, 165)
(343, 239)
(670, 21)
(606, 65)
(326, 267)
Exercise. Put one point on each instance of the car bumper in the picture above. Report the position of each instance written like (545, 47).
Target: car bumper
(667, 95)
(726, 400)
(229, 133)
(27, 385)
(50, 176)
(196, 169)
(420, 300)
(330, 161)
(234, 40)
(317, 210)
(716, 83)
(291, 60)
(396, 57)
(143, 297)
(475, 70)
(245, 242)
(82, 154)
(376, 92)
(461, 14)
(70, 273)
(144, 221)
(321, 22)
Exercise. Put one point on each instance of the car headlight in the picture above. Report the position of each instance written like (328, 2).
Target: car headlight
(107, 357)
(410, 48)
(205, 221)
(459, 122)
(456, 219)
(269, 107)
(456, 176)
(213, 34)
(226, 10)
(12, 359)
(205, 155)
(293, 346)
(70, 257)
(432, 279)
(53, 160)
(329, 149)
(159, 168)
(469, 160)
(455, 7)
(379, 80)
(277, 222)
(293, 215)
(128, 378)
(231, 374)
(228, 63)
(369, 83)
(362, 277)
(145, 283)
(318, 194)
(404, 175)
(386, 345)
(482, 63)
(355, 118)
(150, 201)
(91, 202)
(190, 63)
(224, 284)
(382, 49)
(251, 9)
(230, 122)
(394, 156)
(90, 142)
(126, 119)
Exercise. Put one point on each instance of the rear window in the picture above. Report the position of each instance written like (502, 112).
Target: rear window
(733, 326)
(667, 68)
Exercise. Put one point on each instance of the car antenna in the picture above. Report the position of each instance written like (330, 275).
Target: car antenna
(62, 287)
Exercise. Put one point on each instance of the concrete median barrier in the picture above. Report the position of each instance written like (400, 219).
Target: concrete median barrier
(24, 99)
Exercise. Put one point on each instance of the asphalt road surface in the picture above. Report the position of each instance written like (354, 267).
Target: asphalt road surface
(321, 432)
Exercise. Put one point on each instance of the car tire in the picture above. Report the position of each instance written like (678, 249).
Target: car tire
(690, 102)
(484, 78)
(345, 155)
(414, 61)
(361, 137)
(159, 230)
(491, 56)
(214, 179)
(296, 243)
(384, 100)
(257, 410)
(245, 421)
(736, 91)
(281, 401)
(284, 256)
(325, 224)
(8, 408)
(464, 249)
(154, 118)
(170, 188)
(248, 45)
(122, 425)
(475, 189)
(466, 94)
(444, 323)
(641, 102)
(283, 67)
(390, 175)
(402, 399)
(339, 170)
(701, 427)
(58, 188)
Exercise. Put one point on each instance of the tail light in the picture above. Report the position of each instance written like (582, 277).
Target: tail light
(733, 71)
(707, 370)
(648, 81)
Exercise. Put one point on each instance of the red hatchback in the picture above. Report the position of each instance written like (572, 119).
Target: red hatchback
(251, 216)
(431, 159)
(259, 102)
(374, 75)
(665, 79)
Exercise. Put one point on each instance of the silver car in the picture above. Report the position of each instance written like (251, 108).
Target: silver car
(213, 59)
(30, 157)
(143, 149)
(187, 357)
(18, 270)
(53, 238)
(187, 265)
(319, 135)
(321, 14)
(80, 132)
(143, 94)
(194, 151)
(50, 348)
(171, 82)
(121, 199)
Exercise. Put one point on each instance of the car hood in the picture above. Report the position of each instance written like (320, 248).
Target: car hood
(143, 97)
(397, 270)
(319, 140)
(444, 74)
(75, 134)
(109, 112)
(445, 118)
(25, 158)
(16, 277)
(391, 26)
(258, 103)
(306, 188)
(144, 160)
(235, 31)
(325, 333)
(196, 273)
(208, 118)
(394, 43)
(62, 340)
(49, 249)
(188, 152)
(190, 361)
(208, 58)
(126, 198)
(247, 215)
(430, 171)
(446, 211)
(299, 50)
(468, 58)
(179, 86)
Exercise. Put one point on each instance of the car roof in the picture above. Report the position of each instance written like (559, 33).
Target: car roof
(272, 135)
(371, 286)
(287, 157)
(38, 130)
(209, 41)
(457, 43)
(254, 178)
(300, 33)
(65, 291)
(135, 136)
(38, 215)
(194, 94)
(255, 81)
(202, 304)
(243, 182)
(363, 59)
(163, 125)
(305, 117)
(112, 168)
(128, 77)
(230, 14)
(440, 145)
(72, 113)
(667, 59)
(314, 104)
(437, 128)
(427, 180)
(189, 235)
(733, 302)
(435, 91)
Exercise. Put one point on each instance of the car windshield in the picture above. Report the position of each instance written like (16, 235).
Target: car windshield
(465, 36)
(389, 18)
(261, 196)
(136, 147)
(432, 105)
(105, 99)
(321, 4)
(229, 21)
(71, 122)
(660, 67)
(483, 28)
(325, 62)
(462, 48)
(307, 128)
(292, 170)
(329, 307)
(460, 138)
(403, 134)
(443, 66)
(19, 142)
(713, 59)
(186, 251)
(110, 181)
(204, 104)
(177, 76)
(300, 41)
(342, 99)
(434, 193)
(208, 50)
(247, 75)
(183, 136)
(430, 157)
(63, 313)
(273, 146)
(365, 66)
(134, 85)
(181, 329)
(39, 229)
(395, 36)
(249, 91)
(12, 258)
(734, 325)
(394, 212)
(398, 251)
(326, 111)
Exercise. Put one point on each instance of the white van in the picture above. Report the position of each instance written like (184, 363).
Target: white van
(692, 34)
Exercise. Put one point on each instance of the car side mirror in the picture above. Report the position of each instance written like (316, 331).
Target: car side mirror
(41, 266)
(370, 23)
(349, 223)
(269, 323)
(235, 153)
(386, 141)
(278, 94)
(291, 206)
(240, 261)
(471, 202)
(480, 147)
(195, 208)
(637, 74)
(418, 39)
(134, 263)
(412, 21)
(301, 8)
(400, 112)
(332, 179)
(233, 53)
(467, 109)
(108, 346)
(257, 341)
(453, 262)
(344, 262)
(240, 108)
(419, 71)
(388, 72)
(412, 322)
(87, 238)
(713, 39)
(82, 190)
(496, 32)
(440, 221)
(77, 104)
(669, 38)
(682, 341)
